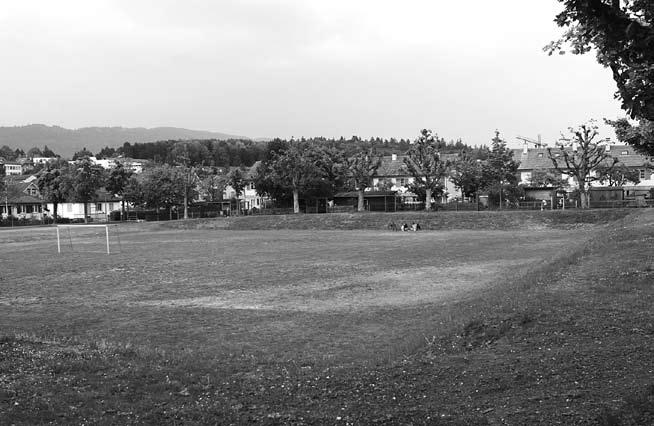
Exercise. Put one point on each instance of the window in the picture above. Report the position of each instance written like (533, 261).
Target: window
(98, 207)
(641, 173)
(624, 152)
(402, 181)
(540, 155)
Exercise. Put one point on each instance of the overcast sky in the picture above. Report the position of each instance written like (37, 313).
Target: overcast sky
(283, 68)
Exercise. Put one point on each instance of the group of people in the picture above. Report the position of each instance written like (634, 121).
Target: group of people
(404, 227)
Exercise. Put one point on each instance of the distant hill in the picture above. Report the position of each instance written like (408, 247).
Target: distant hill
(66, 142)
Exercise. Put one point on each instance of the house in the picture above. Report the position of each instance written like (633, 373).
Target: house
(13, 168)
(249, 198)
(393, 175)
(99, 207)
(135, 166)
(43, 160)
(21, 200)
(532, 159)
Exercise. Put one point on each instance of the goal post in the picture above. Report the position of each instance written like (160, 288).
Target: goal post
(69, 227)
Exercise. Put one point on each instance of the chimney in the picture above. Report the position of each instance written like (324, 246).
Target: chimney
(393, 157)
(608, 148)
(525, 148)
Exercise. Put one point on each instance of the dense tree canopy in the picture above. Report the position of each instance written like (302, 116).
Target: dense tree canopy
(500, 172)
(360, 169)
(622, 33)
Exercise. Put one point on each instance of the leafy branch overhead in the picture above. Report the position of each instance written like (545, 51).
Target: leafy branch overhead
(622, 34)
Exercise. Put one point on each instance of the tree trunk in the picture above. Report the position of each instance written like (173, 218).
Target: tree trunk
(54, 213)
(122, 210)
(185, 205)
(361, 206)
(428, 199)
(583, 195)
(296, 201)
(86, 209)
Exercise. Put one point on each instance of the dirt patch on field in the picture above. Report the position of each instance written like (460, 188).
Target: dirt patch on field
(401, 287)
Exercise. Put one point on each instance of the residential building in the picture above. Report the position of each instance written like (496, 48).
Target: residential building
(393, 175)
(13, 168)
(98, 209)
(21, 200)
(249, 199)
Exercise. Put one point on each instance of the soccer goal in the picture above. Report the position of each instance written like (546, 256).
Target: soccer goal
(85, 237)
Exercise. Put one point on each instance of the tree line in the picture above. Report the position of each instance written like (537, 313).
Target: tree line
(291, 170)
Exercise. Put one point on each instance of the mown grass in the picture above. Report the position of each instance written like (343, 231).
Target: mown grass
(566, 341)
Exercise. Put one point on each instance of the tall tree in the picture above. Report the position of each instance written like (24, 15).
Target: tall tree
(116, 182)
(133, 191)
(360, 169)
(299, 168)
(211, 184)
(622, 33)
(425, 165)
(236, 180)
(86, 179)
(47, 152)
(579, 157)
(466, 174)
(3, 175)
(84, 153)
(162, 187)
(54, 183)
(500, 171)
(185, 155)
(34, 152)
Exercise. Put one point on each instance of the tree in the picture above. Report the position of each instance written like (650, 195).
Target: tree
(34, 152)
(298, 168)
(47, 152)
(236, 180)
(212, 185)
(86, 179)
(618, 174)
(360, 169)
(106, 152)
(116, 182)
(3, 175)
(500, 171)
(161, 186)
(466, 174)
(580, 156)
(7, 153)
(84, 153)
(181, 155)
(424, 163)
(54, 183)
(622, 32)
(133, 191)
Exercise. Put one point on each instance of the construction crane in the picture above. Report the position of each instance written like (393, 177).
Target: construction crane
(537, 144)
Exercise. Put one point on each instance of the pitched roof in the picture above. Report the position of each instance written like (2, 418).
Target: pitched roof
(16, 194)
(390, 167)
(538, 158)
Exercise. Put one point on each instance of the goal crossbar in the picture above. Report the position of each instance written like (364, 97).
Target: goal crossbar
(106, 230)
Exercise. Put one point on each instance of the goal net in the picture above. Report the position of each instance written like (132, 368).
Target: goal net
(88, 238)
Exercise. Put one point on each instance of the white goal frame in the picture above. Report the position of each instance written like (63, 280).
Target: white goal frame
(106, 230)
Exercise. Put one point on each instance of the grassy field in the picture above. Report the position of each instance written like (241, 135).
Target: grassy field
(541, 321)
